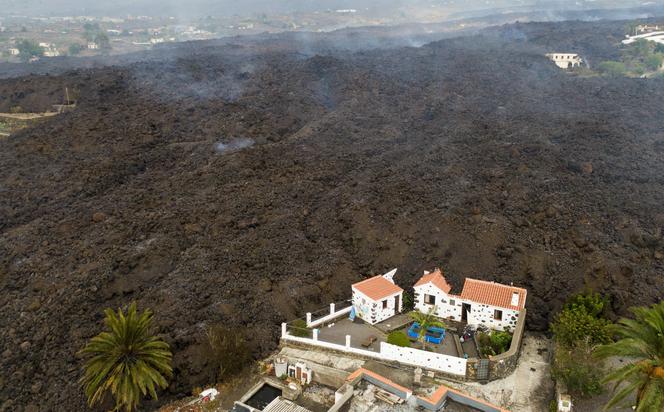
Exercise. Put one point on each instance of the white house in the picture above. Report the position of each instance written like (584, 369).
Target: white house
(565, 60)
(93, 46)
(377, 298)
(494, 305)
(14, 51)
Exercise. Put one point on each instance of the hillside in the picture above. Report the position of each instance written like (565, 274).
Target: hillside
(474, 154)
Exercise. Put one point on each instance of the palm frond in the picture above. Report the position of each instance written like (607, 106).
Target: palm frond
(126, 360)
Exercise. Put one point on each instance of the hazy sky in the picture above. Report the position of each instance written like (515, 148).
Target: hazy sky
(230, 7)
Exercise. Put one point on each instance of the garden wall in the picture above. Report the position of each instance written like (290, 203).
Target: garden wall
(504, 364)
(414, 357)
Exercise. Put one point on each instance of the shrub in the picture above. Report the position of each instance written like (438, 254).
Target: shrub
(494, 343)
(299, 328)
(228, 351)
(408, 301)
(75, 49)
(398, 338)
(612, 68)
(576, 367)
(654, 61)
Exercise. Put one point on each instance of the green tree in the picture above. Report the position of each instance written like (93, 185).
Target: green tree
(426, 320)
(29, 49)
(90, 31)
(654, 61)
(126, 360)
(582, 320)
(575, 366)
(612, 68)
(642, 340)
(103, 41)
(398, 338)
(75, 49)
(577, 330)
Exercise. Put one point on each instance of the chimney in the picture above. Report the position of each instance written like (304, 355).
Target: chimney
(515, 298)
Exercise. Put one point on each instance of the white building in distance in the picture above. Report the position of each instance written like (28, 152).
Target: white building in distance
(378, 298)
(655, 36)
(565, 60)
(491, 304)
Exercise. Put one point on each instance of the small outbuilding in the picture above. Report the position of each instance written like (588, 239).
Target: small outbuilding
(378, 298)
(491, 304)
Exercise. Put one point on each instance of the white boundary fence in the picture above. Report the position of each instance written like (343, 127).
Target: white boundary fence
(409, 356)
(333, 315)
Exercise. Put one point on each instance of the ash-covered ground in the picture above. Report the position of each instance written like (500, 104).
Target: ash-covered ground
(246, 184)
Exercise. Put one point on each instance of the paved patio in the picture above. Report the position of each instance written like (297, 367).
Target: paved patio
(446, 347)
(359, 332)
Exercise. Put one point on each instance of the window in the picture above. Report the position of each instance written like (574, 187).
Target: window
(430, 299)
(385, 304)
(498, 314)
(452, 302)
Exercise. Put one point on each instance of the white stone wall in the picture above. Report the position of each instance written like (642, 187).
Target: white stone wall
(372, 311)
(481, 314)
(443, 307)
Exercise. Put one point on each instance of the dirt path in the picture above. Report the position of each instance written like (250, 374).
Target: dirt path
(529, 388)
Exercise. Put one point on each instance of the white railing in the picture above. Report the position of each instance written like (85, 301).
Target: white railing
(331, 316)
(409, 356)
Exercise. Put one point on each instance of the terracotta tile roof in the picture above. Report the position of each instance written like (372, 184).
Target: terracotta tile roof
(437, 279)
(377, 287)
(494, 294)
(443, 391)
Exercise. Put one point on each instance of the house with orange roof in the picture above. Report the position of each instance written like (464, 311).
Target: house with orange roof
(480, 302)
(378, 298)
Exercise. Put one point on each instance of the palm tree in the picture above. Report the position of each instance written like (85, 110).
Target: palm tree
(126, 360)
(642, 340)
(426, 320)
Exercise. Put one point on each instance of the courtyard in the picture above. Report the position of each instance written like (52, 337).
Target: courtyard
(368, 337)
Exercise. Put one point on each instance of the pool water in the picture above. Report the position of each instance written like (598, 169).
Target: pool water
(263, 396)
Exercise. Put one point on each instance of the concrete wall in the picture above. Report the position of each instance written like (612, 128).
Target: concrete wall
(341, 397)
(334, 314)
(430, 360)
(372, 311)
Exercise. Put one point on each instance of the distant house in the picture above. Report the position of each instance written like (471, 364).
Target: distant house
(14, 51)
(494, 305)
(565, 60)
(93, 46)
(51, 52)
(378, 298)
